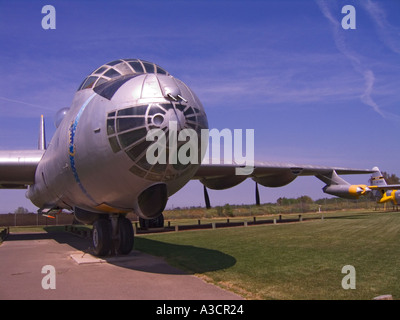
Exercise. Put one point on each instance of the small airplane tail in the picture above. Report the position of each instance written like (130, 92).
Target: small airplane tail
(381, 191)
(377, 178)
(377, 181)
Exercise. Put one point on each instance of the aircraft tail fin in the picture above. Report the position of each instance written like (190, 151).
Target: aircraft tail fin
(382, 191)
(42, 135)
(377, 178)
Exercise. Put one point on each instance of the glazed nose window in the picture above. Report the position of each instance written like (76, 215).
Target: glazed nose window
(127, 130)
(143, 97)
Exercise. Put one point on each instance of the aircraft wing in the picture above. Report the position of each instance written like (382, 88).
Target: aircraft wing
(17, 168)
(271, 174)
(264, 169)
(386, 187)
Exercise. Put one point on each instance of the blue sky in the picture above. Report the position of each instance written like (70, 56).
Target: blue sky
(313, 92)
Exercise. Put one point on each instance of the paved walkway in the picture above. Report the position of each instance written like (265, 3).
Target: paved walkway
(137, 276)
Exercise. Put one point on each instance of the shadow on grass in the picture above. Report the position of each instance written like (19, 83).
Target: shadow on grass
(351, 217)
(187, 258)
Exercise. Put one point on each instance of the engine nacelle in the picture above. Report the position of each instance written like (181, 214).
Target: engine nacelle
(347, 191)
(276, 180)
(222, 183)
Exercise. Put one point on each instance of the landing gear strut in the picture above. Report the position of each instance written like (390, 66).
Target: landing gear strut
(112, 235)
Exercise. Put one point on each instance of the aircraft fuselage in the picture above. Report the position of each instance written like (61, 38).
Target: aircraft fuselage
(96, 160)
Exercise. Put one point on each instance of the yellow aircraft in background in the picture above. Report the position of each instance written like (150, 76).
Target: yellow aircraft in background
(383, 192)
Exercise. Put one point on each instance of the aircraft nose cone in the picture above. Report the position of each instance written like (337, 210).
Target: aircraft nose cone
(154, 101)
(155, 86)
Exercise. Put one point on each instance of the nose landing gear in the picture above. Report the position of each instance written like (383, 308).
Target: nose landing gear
(152, 223)
(114, 234)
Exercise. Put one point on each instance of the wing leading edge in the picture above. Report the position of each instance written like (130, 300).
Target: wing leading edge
(269, 174)
(268, 168)
(17, 168)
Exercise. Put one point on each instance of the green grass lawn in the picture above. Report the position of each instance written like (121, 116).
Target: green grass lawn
(291, 261)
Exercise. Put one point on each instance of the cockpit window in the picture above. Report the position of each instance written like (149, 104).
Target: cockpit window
(112, 73)
(108, 89)
(161, 70)
(89, 82)
(137, 66)
(101, 81)
(149, 67)
(100, 70)
(113, 63)
(117, 68)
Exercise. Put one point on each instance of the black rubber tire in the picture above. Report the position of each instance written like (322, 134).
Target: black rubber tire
(102, 233)
(144, 223)
(152, 223)
(126, 236)
(158, 222)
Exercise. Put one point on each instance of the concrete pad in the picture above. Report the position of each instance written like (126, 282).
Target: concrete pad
(138, 276)
(85, 258)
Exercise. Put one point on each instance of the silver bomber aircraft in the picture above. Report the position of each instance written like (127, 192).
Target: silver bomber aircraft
(96, 166)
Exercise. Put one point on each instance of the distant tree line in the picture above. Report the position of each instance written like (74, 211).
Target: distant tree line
(21, 210)
(290, 201)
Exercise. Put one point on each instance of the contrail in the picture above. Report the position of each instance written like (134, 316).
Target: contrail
(367, 74)
(366, 96)
(388, 34)
(25, 103)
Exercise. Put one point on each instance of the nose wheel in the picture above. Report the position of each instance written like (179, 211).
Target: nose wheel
(114, 235)
(152, 223)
